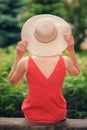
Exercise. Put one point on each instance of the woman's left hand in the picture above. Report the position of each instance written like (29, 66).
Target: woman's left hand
(70, 41)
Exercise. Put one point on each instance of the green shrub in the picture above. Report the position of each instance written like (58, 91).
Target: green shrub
(75, 92)
(11, 96)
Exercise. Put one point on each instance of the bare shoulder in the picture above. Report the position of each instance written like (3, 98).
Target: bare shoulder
(24, 62)
(24, 59)
(67, 60)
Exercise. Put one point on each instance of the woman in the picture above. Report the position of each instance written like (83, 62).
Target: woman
(45, 75)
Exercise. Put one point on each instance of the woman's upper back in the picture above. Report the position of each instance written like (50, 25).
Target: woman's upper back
(47, 64)
(45, 72)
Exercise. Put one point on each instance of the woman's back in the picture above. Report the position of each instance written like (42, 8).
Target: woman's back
(45, 102)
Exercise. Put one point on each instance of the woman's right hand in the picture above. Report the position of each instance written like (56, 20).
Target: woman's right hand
(21, 48)
(70, 41)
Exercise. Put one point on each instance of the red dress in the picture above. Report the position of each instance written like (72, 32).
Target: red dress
(45, 102)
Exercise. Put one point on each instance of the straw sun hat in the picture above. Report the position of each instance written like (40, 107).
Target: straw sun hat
(45, 34)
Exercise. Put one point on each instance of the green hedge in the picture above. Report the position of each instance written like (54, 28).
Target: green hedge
(75, 90)
(11, 96)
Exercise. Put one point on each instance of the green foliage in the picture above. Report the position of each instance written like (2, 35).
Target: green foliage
(9, 29)
(11, 96)
(35, 7)
(78, 18)
(75, 91)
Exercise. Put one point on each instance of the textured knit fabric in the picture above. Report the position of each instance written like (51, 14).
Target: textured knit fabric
(45, 102)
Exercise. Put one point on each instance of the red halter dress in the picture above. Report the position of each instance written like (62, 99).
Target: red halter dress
(45, 102)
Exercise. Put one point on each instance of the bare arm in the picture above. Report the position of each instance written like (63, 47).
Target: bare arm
(18, 68)
(71, 61)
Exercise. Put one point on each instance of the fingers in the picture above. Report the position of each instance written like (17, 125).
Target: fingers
(21, 48)
(22, 45)
(68, 38)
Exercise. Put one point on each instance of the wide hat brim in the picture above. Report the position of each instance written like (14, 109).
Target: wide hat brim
(51, 48)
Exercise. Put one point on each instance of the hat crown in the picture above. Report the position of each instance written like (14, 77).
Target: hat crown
(45, 31)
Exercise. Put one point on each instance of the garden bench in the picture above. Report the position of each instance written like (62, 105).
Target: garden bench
(22, 124)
